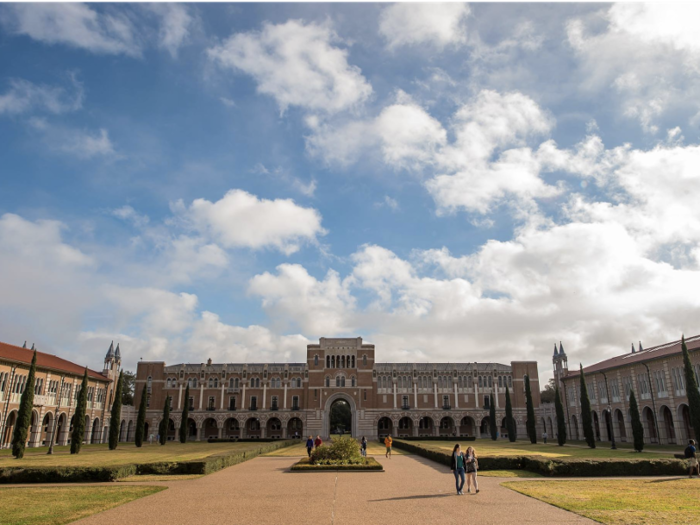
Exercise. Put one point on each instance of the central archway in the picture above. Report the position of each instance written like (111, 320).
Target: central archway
(327, 429)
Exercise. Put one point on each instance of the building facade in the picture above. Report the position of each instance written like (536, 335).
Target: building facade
(56, 391)
(657, 377)
(283, 400)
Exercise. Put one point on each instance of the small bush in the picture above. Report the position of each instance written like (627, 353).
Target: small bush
(366, 464)
(341, 451)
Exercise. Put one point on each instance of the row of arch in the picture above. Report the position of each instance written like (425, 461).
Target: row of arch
(229, 428)
(233, 382)
(40, 434)
(447, 426)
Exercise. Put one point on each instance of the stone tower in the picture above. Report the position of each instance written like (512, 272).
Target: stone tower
(561, 365)
(113, 361)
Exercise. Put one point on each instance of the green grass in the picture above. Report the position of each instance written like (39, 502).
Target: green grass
(160, 477)
(374, 448)
(488, 448)
(126, 453)
(59, 505)
(669, 501)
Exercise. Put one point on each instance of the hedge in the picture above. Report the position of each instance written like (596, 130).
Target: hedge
(435, 438)
(562, 467)
(371, 465)
(206, 465)
(246, 440)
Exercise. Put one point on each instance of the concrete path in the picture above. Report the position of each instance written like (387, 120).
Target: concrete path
(412, 490)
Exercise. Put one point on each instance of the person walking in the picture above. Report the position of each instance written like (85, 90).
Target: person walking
(472, 467)
(387, 443)
(459, 462)
(544, 437)
(690, 455)
(309, 445)
(363, 446)
(318, 442)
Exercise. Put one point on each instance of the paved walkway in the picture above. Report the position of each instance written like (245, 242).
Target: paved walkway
(412, 490)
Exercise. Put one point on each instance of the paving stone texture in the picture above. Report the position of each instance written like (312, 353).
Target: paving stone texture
(412, 490)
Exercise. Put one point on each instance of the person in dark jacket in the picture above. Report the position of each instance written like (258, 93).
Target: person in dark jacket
(459, 464)
(363, 446)
(318, 442)
(309, 445)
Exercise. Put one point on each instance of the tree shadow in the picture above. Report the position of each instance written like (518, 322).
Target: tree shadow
(402, 498)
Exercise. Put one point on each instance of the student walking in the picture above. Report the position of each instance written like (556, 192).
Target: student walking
(459, 462)
(309, 445)
(690, 455)
(387, 443)
(472, 467)
(318, 441)
(544, 437)
(363, 446)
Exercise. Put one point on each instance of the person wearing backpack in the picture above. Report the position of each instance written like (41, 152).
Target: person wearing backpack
(459, 463)
(472, 467)
(363, 446)
(309, 445)
(691, 458)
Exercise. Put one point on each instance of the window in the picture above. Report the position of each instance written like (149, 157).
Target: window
(216, 382)
(365, 394)
(328, 361)
(490, 378)
(274, 405)
(470, 381)
(353, 381)
(316, 360)
(480, 382)
(170, 402)
(364, 360)
(328, 381)
(510, 381)
(404, 402)
(232, 403)
(353, 362)
(487, 402)
(500, 381)
(659, 380)
(191, 403)
(445, 401)
(295, 402)
(210, 405)
(253, 402)
(148, 385)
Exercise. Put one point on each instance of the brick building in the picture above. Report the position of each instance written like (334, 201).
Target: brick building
(279, 400)
(656, 375)
(55, 395)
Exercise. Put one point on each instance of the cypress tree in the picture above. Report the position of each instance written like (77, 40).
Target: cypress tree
(492, 420)
(510, 422)
(637, 428)
(165, 422)
(116, 414)
(141, 419)
(185, 416)
(531, 421)
(586, 419)
(76, 438)
(24, 414)
(561, 423)
(691, 388)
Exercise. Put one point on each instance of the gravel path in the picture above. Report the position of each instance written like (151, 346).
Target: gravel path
(412, 490)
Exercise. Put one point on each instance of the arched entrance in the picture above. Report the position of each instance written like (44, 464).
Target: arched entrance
(295, 428)
(9, 428)
(621, 425)
(384, 427)
(447, 426)
(667, 425)
(340, 417)
(484, 427)
(95, 431)
(425, 426)
(327, 429)
(191, 428)
(650, 425)
(232, 428)
(405, 427)
(274, 428)
(684, 417)
(574, 428)
(596, 425)
(172, 434)
(466, 427)
(210, 428)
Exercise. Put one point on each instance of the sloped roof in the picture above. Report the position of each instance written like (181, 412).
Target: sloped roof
(24, 355)
(655, 352)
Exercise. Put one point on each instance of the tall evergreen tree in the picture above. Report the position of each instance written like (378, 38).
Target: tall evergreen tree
(691, 388)
(165, 422)
(561, 420)
(141, 419)
(24, 414)
(586, 419)
(185, 416)
(76, 438)
(531, 423)
(492, 420)
(637, 428)
(510, 422)
(116, 416)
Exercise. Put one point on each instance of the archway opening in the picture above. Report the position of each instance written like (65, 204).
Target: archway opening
(667, 418)
(447, 427)
(596, 425)
(384, 426)
(621, 425)
(340, 417)
(466, 427)
(405, 427)
(274, 428)
(295, 428)
(425, 426)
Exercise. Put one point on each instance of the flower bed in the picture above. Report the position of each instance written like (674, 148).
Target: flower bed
(343, 453)
(367, 465)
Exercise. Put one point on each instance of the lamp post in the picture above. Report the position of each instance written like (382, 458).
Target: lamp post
(612, 428)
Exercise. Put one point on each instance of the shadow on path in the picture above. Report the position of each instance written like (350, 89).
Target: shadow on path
(427, 496)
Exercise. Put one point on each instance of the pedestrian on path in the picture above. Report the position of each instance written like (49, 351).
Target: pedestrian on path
(318, 441)
(309, 445)
(544, 437)
(387, 443)
(459, 462)
(690, 454)
(472, 467)
(363, 446)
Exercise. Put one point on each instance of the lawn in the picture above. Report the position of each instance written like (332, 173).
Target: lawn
(670, 501)
(59, 505)
(487, 447)
(126, 453)
(374, 448)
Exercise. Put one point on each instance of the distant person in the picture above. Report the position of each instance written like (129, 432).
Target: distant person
(318, 442)
(296, 435)
(150, 439)
(387, 443)
(472, 467)
(458, 464)
(309, 445)
(690, 455)
(544, 437)
(363, 446)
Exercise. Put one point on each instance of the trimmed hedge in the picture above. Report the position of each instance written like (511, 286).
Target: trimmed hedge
(562, 467)
(435, 438)
(371, 465)
(206, 465)
(247, 440)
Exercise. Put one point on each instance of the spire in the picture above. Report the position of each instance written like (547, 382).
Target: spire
(24, 345)
(640, 346)
(633, 348)
(555, 349)
(110, 352)
(33, 347)
(116, 353)
(561, 349)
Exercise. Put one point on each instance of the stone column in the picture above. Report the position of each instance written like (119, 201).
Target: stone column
(243, 405)
(263, 431)
(415, 396)
(264, 394)
(199, 432)
(221, 432)
(394, 385)
(222, 395)
(456, 396)
(435, 393)
(284, 432)
(201, 395)
(495, 395)
(285, 396)
(179, 398)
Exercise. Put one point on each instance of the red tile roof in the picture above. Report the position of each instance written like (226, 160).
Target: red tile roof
(666, 349)
(24, 355)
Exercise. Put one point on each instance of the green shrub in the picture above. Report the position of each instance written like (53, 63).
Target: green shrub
(341, 451)
(366, 464)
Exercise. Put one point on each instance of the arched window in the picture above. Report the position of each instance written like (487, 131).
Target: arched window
(328, 381)
(328, 361)
(275, 403)
(337, 380)
(353, 381)
(470, 381)
(353, 362)
(332, 361)
(316, 360)
(500, 381)
(480, 382)
(295, 402)
(364, 360)
(489, 380)
(231, 383)
(342, 362)
(216, 382)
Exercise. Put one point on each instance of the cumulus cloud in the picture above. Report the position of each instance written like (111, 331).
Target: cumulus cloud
(410, 24)
(240, 219)
(296, 63)
(176, 23)
(24, 96)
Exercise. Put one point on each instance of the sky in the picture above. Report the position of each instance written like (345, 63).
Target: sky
(451, 182)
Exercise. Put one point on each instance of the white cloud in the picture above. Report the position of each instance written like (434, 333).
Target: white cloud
(176, 22)
(83, 144)
(240, 219)
(436, 24)
(389, 202)
(297, 64)
(128, 213)
(24, 96)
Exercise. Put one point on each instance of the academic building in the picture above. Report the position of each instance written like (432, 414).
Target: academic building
(657, 377)
(257, 400)
(56, 391)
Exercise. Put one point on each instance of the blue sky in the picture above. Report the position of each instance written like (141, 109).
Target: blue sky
(451, 182)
